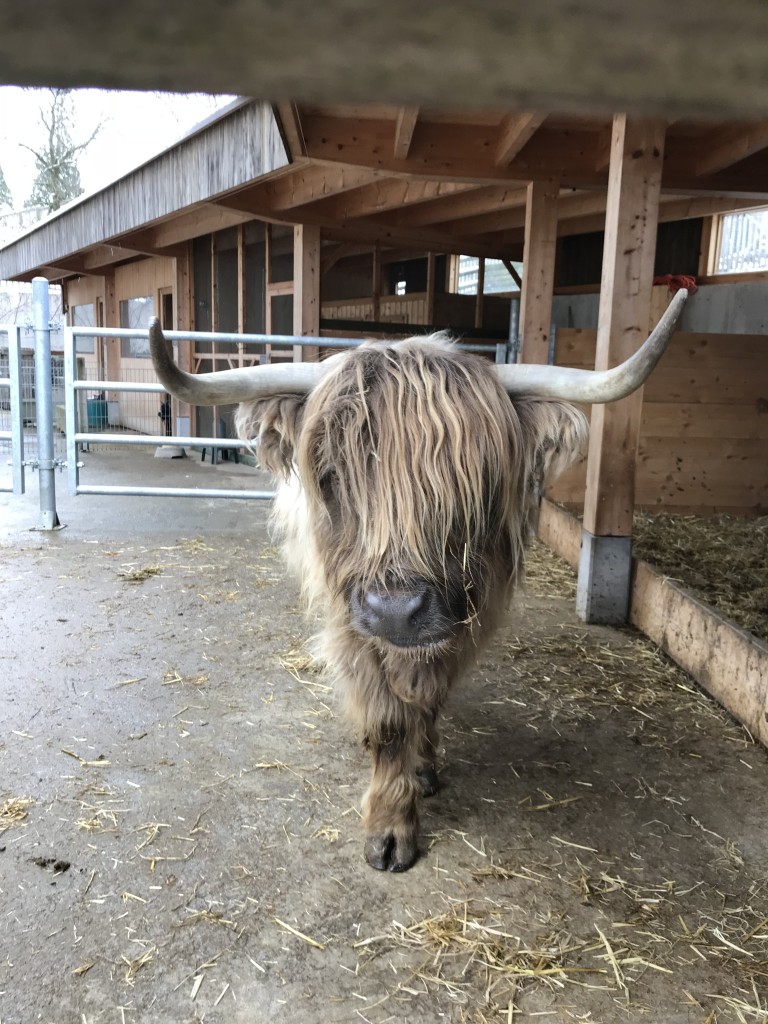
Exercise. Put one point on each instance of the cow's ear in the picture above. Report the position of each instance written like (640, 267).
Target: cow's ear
(558, 434)
(271, 426)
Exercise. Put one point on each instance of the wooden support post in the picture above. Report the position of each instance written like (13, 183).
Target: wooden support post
(634, 181)
(214, 296)
(267, 283)
(306, 288)
(376, 285)
(480, 294)
(452, 276)
(183, 412)
(185, 318)
(101, 346)
(711, 240)
(112, 319)
(241, 283)
(214, 329)
(539, 275)
(431, 288)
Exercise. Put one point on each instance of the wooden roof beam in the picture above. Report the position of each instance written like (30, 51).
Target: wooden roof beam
(290, 121)
(404, 128)
(161, 237)
(670, 208)
(386, 194)
(337, 251)
(503, 219)
(724, 147)
(308, 183)
(476, 200)
(105, 255)
(464, 152)
(359, 229)
(515, 133)
(53, 273)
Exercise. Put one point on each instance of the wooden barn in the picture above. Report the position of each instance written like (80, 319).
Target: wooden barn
(560, 235)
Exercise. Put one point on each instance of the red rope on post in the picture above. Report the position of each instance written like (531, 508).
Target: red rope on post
(677, 281)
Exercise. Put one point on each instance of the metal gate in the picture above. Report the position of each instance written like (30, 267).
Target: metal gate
(12, 410)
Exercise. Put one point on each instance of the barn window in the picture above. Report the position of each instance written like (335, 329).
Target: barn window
(135, 313)
(82, 316)
(497, 277)
(742, 242)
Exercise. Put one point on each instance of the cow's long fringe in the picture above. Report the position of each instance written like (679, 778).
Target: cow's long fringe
(426, 456)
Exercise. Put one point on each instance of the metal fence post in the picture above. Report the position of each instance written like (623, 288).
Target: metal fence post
(514, 331)
(44, 405)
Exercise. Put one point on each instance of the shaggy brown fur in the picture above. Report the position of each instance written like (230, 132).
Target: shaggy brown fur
(407, 463)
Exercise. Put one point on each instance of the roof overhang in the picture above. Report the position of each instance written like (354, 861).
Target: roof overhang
(407, 180)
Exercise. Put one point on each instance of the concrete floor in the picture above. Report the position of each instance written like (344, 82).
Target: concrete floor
(179, 826)
(90, 516)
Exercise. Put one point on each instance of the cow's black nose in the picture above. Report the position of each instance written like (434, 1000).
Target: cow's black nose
(400, 613)
(404, 617)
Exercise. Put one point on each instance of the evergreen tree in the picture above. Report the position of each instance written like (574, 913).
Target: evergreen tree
(58, 177)
(5, 193)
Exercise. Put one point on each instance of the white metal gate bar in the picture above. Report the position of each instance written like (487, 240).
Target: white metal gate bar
(16, 434)
(285, 340)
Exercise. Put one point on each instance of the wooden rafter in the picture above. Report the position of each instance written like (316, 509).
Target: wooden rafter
(462, 152)
(515, 132)
(200, 220)
(507, 217)
(475, 201)
(290, 119)
(359, 230)
(510, 269)
(383, 195)
(104, 255)
(309, 183)
(404, 128)
(465, 151)
(727, 146)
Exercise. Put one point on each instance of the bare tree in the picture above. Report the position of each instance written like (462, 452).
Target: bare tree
(58, 177)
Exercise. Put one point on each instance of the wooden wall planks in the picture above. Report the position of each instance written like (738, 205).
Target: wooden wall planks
(704, 425)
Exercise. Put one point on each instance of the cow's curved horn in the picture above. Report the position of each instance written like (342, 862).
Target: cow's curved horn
(596, 386)
(226, 387)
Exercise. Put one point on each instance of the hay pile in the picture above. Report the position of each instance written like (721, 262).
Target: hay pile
(722, 559)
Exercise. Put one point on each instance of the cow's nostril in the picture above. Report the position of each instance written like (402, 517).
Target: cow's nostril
(400, 616)
(374, 602)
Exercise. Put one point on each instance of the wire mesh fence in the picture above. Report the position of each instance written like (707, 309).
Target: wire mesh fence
(28, 417)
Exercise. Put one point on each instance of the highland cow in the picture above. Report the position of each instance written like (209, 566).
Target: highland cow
(408, 475)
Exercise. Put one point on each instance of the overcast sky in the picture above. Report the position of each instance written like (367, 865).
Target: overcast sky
(135, 126)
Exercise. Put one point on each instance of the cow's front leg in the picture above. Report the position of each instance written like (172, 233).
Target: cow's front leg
(389, 813)
(390, 816)
(426, 769)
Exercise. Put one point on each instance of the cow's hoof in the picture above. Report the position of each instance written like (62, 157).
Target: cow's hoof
(429, 782)
(386, 852)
